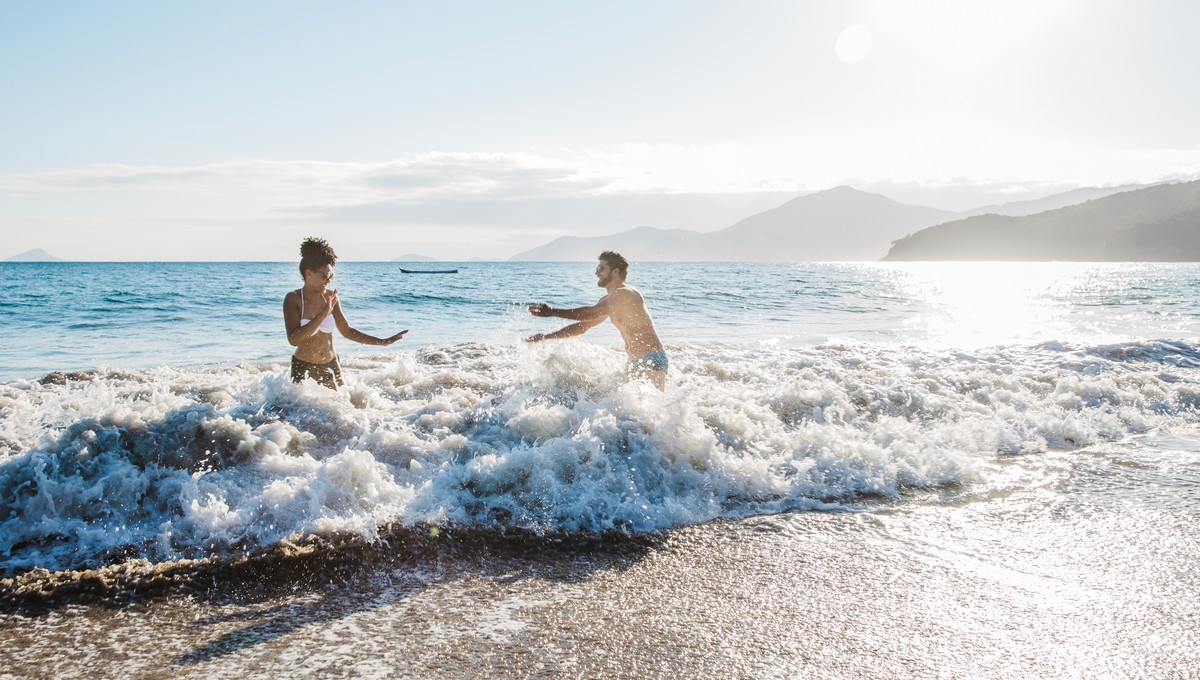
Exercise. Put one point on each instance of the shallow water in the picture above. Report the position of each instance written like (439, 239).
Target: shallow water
(873, 493)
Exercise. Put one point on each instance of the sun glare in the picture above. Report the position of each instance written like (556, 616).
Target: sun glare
(854, 43)
(982, 304)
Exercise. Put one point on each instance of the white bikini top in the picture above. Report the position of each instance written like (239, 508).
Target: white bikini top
(327, 324)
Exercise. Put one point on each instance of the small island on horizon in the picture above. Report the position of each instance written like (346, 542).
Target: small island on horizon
(34, 255)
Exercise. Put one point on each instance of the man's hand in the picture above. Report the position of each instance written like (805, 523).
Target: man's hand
(540, 309)
(536, 337)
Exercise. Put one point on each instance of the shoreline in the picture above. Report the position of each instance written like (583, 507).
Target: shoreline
(914, 591)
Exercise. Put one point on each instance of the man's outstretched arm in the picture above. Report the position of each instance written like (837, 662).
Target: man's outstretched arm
(566, 332)
(597, 312)
(587, 317)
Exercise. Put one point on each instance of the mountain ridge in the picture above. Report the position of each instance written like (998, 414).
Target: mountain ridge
(842, 223)
(1159, 220)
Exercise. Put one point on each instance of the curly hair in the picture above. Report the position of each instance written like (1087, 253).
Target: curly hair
(315, 253)
(615, 260)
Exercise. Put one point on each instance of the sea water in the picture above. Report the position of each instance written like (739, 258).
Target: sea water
(148, 419)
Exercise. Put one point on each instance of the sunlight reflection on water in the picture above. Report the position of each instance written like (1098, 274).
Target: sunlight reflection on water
(980, 304)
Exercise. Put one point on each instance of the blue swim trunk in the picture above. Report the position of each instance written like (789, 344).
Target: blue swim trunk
(648, 363)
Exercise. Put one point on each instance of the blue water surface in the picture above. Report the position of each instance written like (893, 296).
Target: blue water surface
(78, 316)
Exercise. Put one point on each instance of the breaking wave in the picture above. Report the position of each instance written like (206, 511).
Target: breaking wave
(182, 463)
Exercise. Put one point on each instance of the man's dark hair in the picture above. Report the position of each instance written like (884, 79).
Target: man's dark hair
(314, 254)
(615, 260)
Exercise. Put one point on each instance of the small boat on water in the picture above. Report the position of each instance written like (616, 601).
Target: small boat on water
(428, 271)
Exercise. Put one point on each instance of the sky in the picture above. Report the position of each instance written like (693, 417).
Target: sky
(231, 130)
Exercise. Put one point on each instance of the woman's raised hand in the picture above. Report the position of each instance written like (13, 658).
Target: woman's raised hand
(394, 338)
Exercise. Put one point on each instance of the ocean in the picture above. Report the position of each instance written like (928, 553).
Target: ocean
(857, 470)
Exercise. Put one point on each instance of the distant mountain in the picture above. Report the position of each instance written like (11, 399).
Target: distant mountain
(1052, 202)
(1171, 239)
(838, 224)
(842, 223)
(413, 257)
(1160, 222)
(35, 255)
(639, 244)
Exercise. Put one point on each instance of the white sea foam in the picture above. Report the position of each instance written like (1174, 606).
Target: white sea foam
(169, 463)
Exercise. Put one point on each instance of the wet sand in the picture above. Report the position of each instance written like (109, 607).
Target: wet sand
(933, 587)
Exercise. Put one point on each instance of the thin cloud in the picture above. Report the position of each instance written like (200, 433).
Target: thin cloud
(787, 166)
(413, 178)
(578, 215)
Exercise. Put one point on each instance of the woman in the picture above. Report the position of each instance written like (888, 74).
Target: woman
(311, 313)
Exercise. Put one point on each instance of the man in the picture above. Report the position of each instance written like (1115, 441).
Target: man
(625, 307)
